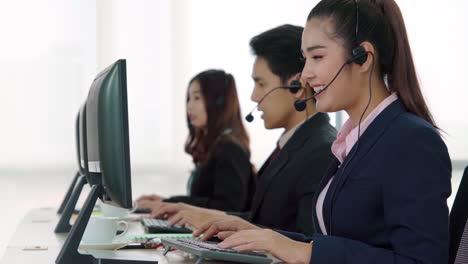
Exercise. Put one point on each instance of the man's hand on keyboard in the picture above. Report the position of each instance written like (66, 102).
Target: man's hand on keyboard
(148, 204)
(197, 218)
(150, 197)
(181, 213)
(210, 229)
(165, 209)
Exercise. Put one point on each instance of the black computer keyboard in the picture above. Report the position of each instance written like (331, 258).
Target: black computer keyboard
(155, 226)
(210, 250)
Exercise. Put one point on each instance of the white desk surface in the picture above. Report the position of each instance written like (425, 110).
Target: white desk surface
(37, 229)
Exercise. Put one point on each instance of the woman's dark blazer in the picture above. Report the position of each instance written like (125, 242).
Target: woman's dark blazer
(225, 181)
(390, 197)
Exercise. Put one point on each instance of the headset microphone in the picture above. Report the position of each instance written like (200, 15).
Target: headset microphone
(359, 56)
(300, 105)
(249, 117)
(293, 88)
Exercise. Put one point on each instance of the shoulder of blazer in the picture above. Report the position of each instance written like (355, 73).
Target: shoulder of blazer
(394, 122)
(391, 128)
(318, 128)
(410, 122)
(408, 128)
(227, 146)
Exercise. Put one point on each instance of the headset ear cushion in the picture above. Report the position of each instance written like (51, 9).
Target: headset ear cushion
(294, 90)
(359, 55)
(295, 86)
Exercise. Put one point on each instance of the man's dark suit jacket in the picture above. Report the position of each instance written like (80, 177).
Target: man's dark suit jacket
(226, 180)
(287, 184)
(387, 202)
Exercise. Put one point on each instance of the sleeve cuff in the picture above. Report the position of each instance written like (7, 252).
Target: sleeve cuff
(326, 250)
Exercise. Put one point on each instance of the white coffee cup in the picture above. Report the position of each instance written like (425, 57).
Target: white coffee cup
(113, 211)
(102, 230)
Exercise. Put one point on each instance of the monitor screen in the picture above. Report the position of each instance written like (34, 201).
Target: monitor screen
(107, 133)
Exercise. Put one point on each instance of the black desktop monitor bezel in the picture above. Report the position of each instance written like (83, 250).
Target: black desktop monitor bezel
(108, 147)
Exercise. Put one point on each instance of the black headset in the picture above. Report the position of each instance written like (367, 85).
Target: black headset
(220, 100)
(359, 56)
(293, 87)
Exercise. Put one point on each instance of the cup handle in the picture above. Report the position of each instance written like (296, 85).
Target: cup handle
(125, 224)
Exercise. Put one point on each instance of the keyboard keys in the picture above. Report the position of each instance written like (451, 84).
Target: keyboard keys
(210, 250)
(162, 226)
(158, 222)
(213, 246)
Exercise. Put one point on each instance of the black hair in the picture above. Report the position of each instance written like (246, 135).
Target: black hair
(223, 111)
(380, 23)
(281, 48)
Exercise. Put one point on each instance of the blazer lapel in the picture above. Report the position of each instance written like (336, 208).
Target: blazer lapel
(359, 150)
(266, 178)
(295, 143)
(332, 168)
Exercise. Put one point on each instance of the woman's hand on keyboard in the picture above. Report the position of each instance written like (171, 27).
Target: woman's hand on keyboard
(282, 247)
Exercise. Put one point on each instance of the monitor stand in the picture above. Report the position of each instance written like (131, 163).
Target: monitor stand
(68, 194)
(69, 253)
(63, 225)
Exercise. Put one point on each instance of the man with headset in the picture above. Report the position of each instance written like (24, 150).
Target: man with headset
(288, 179)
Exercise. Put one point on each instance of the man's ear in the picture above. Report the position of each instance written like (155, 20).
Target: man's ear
(301, 94)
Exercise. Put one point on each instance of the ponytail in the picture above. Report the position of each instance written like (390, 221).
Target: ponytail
(381, 23)
(402, 77)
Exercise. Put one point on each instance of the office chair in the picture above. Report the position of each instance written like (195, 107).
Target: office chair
(462, 253)
(458, 216)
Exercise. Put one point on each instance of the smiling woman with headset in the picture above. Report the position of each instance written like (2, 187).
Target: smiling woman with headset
(384, 197)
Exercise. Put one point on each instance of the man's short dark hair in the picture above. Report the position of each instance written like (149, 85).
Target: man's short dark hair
(281, 48)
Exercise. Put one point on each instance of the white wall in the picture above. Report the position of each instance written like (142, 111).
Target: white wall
(140, 32)
(46, 51)
(439, 39)
(51, 50)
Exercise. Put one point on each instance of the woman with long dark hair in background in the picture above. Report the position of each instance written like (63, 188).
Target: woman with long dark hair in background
(218, 142)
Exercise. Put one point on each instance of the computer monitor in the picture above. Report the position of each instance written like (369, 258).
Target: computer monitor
(107, 156)
(107, 134)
